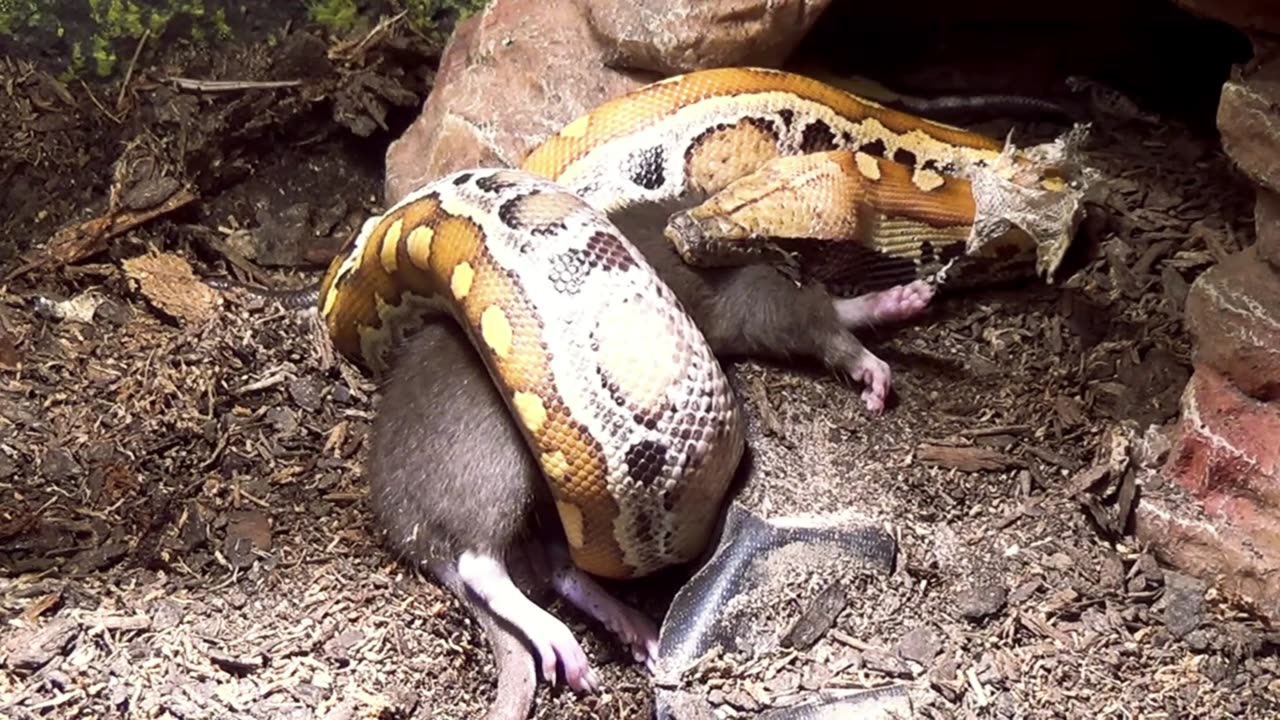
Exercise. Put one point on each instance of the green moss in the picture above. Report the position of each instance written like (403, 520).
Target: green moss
(76, 64)
(220, 24)
(17, 14)
(337, 15)
(97, 32)
(423, 15)
(104, 58)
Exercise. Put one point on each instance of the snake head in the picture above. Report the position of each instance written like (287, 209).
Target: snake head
(1034, 196)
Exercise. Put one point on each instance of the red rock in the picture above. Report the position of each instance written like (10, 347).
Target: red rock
(1233, 310)
(509, 77)
(1261, 15)
(1267, 224)
(1214, 509)
(683, 35)
(1250, 124)
(519, 71)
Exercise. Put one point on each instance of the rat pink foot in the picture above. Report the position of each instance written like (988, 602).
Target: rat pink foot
(850, 359)
(874, 374)
(629, 624)
(897, 303)
(487, 577)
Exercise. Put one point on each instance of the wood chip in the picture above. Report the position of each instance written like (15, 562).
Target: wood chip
(119, 622)
(818, 618)
(32, 650)
(768, 416)
(966, 459)
(39, 607)
(1051, 457)
(1087, 479)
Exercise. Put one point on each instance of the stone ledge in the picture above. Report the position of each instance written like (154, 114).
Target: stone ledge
(1213, 510)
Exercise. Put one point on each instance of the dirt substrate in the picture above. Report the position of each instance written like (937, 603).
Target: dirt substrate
(185, 531)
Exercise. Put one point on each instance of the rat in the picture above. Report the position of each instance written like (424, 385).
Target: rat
(455, 489)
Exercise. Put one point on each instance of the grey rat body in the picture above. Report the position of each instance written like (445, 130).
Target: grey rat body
(454, 487)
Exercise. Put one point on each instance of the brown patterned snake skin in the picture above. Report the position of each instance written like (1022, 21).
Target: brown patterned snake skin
(629, 414)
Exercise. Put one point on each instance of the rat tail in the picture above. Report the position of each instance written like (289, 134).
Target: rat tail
(517, 676)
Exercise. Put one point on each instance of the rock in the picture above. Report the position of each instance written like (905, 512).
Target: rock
(1261, 15)
(284, 421)
(282, 235)
(508, 79)
(306, 392)
(684, 35)
(783, 683)
(1233, 311)
(1213, 509)
(741, 700)
(1250, 126)
(919, 645)
(1215, 669)
(194, 531)
(511, 77)
(1184, 604)
(339, 646)
(981, 601)
(815, 677)
(1198, 640)
(1267, 224)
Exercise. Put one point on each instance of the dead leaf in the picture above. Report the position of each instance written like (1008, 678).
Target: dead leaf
(169, 283)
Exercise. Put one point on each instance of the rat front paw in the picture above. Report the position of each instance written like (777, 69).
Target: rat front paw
(900, 302)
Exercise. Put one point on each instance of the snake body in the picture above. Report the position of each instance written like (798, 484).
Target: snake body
(616, 391)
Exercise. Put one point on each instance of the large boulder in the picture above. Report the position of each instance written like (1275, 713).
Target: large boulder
(1214, 509)
(1258, 15)
(1249, 120)
(1267, 222)
(682, 35)
(1233, 310)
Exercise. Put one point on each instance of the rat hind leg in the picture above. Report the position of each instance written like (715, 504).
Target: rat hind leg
(486, 577)
(580, 589)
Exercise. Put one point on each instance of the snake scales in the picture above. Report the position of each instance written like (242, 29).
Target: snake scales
(632, 419)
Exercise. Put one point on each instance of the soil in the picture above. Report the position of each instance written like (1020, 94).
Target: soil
(185, 530)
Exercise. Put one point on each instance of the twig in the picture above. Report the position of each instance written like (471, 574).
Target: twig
(345, 50)
(57, 700)
(101, 107)
(230, 85)
(996, 430)
(84, 239)
(272, 380)
(128, 74)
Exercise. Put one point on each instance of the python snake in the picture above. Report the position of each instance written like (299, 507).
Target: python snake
(631, 417)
